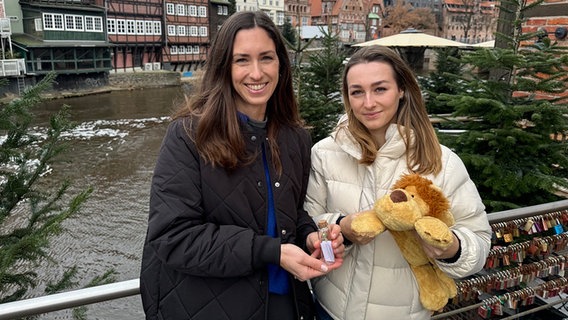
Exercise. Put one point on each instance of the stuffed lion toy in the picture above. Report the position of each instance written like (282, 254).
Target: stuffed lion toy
(415, 206)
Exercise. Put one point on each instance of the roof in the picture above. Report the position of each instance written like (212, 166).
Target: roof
(27, 41)
(221, 2)
(309, 32)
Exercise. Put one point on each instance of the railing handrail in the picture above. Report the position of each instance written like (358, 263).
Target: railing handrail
(128, 288)
(71, 299)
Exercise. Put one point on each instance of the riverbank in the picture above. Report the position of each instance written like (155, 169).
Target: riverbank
(121, 81)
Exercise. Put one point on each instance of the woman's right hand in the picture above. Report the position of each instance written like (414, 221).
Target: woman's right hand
(302, 265)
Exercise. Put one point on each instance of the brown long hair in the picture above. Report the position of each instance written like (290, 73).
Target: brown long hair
(218, 136)
(423, 151)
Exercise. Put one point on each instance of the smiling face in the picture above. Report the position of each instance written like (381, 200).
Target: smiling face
(254, 71)
(374, 96)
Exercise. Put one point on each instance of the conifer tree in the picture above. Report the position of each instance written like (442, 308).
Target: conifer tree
(508, 145)
(289, 33)
(318, 86)
(29, 214)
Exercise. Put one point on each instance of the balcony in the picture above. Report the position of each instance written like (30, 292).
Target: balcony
(12, 67)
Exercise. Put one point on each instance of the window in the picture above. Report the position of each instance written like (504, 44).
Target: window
(202, 11)
(170, 8)
(89, 24)
(93, 24)
(181, 31)
(189, 50)
(203, 31)
(193, 31)
(140, 27)
(157, 27)
(53, 21)
(171, 30)
(181, 49)
(148, 27)
(180, 10)
(193, 11)
(38, 25)
(111, 26)
(173, 49)
(195, 49)
(79, 23)
(223, 10)
(58, 22)
(120, 26)
(130, 27)
(73, 22)
(69, 22)
(48, 21)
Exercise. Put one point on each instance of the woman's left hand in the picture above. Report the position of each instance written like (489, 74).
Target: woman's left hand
(439, 253)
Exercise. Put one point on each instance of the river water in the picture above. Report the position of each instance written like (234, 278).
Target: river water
(113, 149)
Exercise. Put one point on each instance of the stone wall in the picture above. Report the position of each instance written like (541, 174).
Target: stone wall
(144, 79)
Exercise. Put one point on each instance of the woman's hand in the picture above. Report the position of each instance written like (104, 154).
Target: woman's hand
(360, 239)
(439, 253)
(303, 266)
(314, 244)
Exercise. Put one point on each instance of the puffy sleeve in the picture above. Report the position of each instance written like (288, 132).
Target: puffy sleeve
(471, 223)
(316, 198)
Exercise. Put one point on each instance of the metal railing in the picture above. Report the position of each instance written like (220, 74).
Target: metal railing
(12, 67)
(128, 288)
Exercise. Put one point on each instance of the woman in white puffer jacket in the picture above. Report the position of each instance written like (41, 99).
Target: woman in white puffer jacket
(386, 133)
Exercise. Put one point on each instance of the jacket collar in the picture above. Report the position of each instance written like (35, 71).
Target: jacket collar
(393, 148)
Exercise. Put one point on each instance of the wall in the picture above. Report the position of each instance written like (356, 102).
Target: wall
(144, 79)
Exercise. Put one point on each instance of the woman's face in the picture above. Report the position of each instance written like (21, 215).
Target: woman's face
(374, 96)
(254, 71)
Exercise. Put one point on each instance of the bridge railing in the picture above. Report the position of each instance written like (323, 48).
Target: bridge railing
(123, 289)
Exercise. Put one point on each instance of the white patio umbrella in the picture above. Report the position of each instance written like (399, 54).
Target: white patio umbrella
(412, 38)
(486, 44)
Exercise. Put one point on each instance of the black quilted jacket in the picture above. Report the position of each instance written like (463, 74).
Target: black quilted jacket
(206, 251)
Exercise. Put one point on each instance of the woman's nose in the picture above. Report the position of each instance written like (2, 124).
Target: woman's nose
(256, 70)
(368, 101)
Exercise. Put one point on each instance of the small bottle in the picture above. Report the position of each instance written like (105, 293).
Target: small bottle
(326, 247)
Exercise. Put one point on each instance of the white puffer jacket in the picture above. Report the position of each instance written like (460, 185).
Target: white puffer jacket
(375, 282)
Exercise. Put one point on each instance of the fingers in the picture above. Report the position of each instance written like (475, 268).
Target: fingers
(303, 266)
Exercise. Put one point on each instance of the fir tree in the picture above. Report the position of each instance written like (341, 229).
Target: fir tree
(289, 33)
(442, 80)
(507, 145)
(30, 215)
(318, 84)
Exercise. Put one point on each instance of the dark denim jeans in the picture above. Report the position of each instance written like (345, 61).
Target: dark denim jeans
(321, 314)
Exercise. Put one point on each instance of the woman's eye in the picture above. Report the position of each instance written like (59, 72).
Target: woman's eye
(267, 58)
(356, 92)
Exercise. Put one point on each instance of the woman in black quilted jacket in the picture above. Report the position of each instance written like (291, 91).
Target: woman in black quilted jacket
(228, 237)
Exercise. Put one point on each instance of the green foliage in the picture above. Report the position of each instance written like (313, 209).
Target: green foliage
(29, 214)
(232, 6)
(442, 80)
(507, 145)
(317, 84)
(289, 33)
